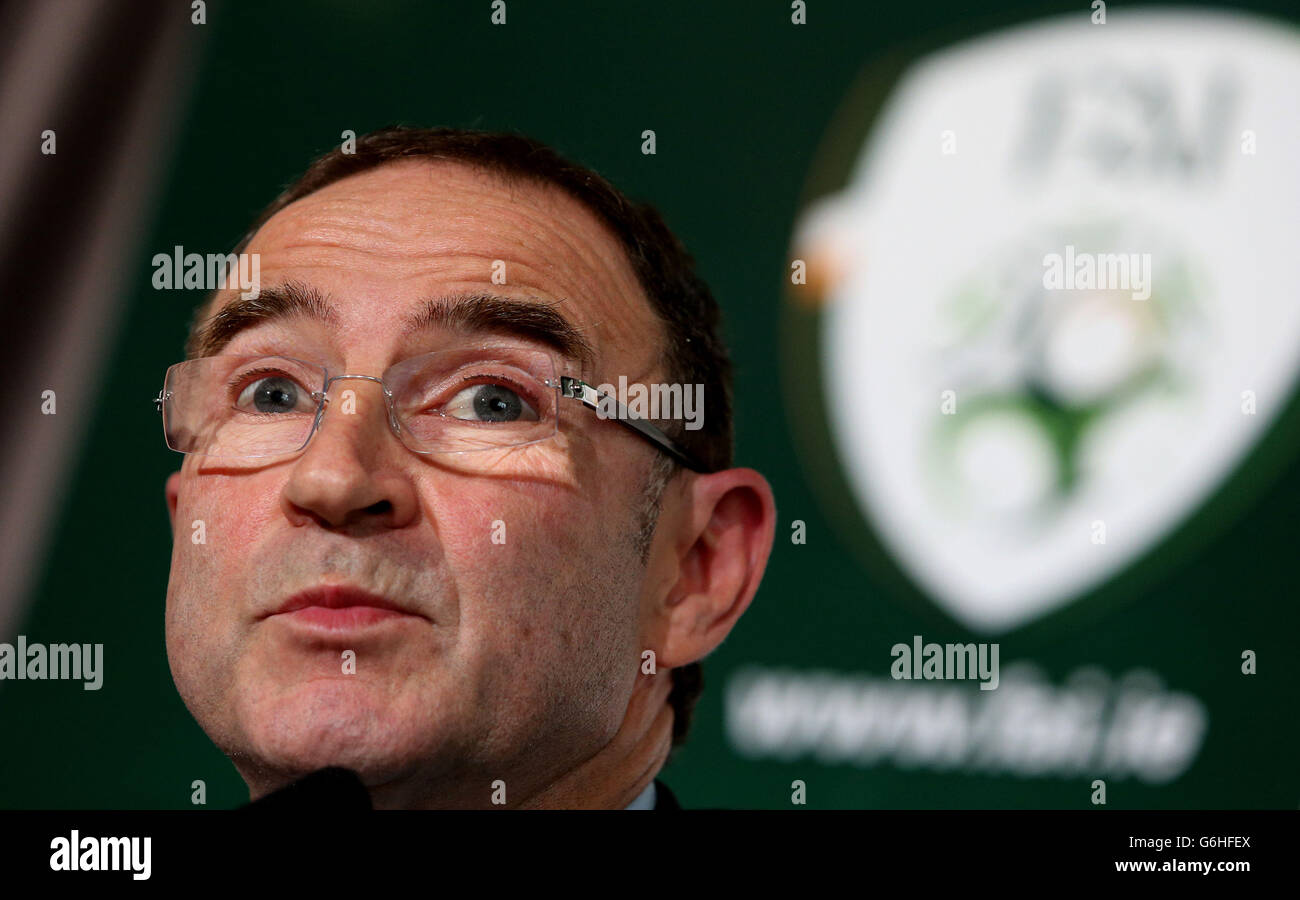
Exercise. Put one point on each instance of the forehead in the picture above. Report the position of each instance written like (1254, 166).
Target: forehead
(383, 242)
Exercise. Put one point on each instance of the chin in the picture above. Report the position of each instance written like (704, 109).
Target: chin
(325, 724)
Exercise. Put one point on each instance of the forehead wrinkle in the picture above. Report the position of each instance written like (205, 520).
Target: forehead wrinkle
(349, 207)
(612, 279)
(550, 226)
(568, 249)
(540, 219)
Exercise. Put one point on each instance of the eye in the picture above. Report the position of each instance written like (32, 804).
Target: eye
(490, 403)
(275, 394)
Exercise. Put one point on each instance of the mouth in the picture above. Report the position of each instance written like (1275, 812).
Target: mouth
(341, 608)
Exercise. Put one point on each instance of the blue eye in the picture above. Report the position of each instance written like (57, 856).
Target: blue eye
(490, 403)
(274, 394)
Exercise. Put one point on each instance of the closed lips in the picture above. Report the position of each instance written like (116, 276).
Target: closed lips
(341, 597)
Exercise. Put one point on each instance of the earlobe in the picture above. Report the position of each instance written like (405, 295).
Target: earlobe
(731, 526)
(172, 491)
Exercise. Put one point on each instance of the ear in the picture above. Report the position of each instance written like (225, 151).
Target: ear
(723, 532)
(172, 490)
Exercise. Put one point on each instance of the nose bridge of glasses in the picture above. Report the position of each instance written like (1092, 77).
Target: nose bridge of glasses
(333, 378)
(347, 400)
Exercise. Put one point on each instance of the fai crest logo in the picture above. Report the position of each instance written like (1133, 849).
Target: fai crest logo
(1052, 309)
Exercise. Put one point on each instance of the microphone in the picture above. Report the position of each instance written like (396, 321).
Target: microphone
(329, 789)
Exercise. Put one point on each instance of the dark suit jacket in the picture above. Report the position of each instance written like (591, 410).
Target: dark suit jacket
(664, 798)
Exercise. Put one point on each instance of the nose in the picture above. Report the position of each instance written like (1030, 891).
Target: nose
(351, 475)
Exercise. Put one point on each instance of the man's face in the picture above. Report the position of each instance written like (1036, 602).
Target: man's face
(518, 657)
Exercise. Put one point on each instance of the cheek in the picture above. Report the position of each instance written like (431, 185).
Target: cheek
(498, 541)
(546, 581)
(216, 520)
(496, 529)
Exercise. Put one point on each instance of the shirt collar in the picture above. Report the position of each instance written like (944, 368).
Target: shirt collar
(646, 799)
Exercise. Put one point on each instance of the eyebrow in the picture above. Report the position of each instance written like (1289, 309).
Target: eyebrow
(285, 301)
(473, 312)
(531, 319)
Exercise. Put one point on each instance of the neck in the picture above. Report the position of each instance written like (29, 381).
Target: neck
(623, 768)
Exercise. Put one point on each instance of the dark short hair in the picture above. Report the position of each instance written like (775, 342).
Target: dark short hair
(693, 352)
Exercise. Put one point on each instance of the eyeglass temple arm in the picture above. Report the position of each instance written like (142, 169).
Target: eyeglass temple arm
(590, 398)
